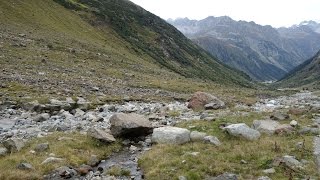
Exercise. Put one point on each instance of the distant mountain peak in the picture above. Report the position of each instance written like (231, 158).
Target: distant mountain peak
(263, 52)
(313, 25)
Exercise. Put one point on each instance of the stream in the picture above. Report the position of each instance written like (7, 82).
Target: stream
(126, 160)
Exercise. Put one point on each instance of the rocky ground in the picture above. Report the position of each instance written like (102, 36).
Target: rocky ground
(139, 125)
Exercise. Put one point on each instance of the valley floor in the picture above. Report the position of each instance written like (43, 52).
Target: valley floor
(54, 139)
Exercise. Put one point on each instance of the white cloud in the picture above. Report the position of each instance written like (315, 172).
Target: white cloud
(266, 12)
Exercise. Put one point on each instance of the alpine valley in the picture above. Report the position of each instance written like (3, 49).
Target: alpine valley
(105, 90)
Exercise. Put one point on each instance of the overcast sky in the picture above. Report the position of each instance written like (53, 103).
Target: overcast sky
(265, 12)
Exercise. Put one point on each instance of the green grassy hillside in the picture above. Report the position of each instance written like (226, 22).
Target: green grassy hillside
(307, 75)
(72, 48)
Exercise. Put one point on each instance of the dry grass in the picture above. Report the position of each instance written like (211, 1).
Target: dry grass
(75, 152)
(172, 161)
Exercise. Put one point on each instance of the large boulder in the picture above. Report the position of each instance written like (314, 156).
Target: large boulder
(130, 125)
(170, 135)
(101, 135)
(14, 144)
(242, 130)
(202, 100)
(265, 126)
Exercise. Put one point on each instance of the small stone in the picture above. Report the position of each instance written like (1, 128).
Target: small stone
(83, 104)
(24, 166)
(52, 160)
(101, 135)
(293, 123)
(41, 117)
(126, 142)
(78, 112)
(22, 35)
(212, 140)
(299, 145)
(243, 162)
(41, 147)
(197, 136)
(133, 148)
(265, 126)
(194, 153)
(269, 171)
(66, 172)
(284, 129)
(84, 169)
(278, 116)
(226, 176)
(13, 144)
(182, 178)
(291, 162)
(264, 178)
(93, 160)
(3, 151)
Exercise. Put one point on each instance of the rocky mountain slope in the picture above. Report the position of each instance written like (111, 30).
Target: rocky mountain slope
(306, 75)
(263, 52)
(108, 48)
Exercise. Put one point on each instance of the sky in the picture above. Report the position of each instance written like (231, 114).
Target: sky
(276, 13)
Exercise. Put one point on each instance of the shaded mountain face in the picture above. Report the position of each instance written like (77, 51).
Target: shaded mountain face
(306, 75)
(158, 39)
(263, 52)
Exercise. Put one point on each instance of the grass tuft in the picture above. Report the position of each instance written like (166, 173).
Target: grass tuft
(75, 151)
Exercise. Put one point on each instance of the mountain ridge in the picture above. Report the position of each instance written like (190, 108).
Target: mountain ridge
(263, 52)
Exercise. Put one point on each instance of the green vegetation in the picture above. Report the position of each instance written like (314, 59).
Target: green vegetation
(305, 76)
(161, 41)
(118, 171)
(172, 161)
(58, 51)
(76, 150)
